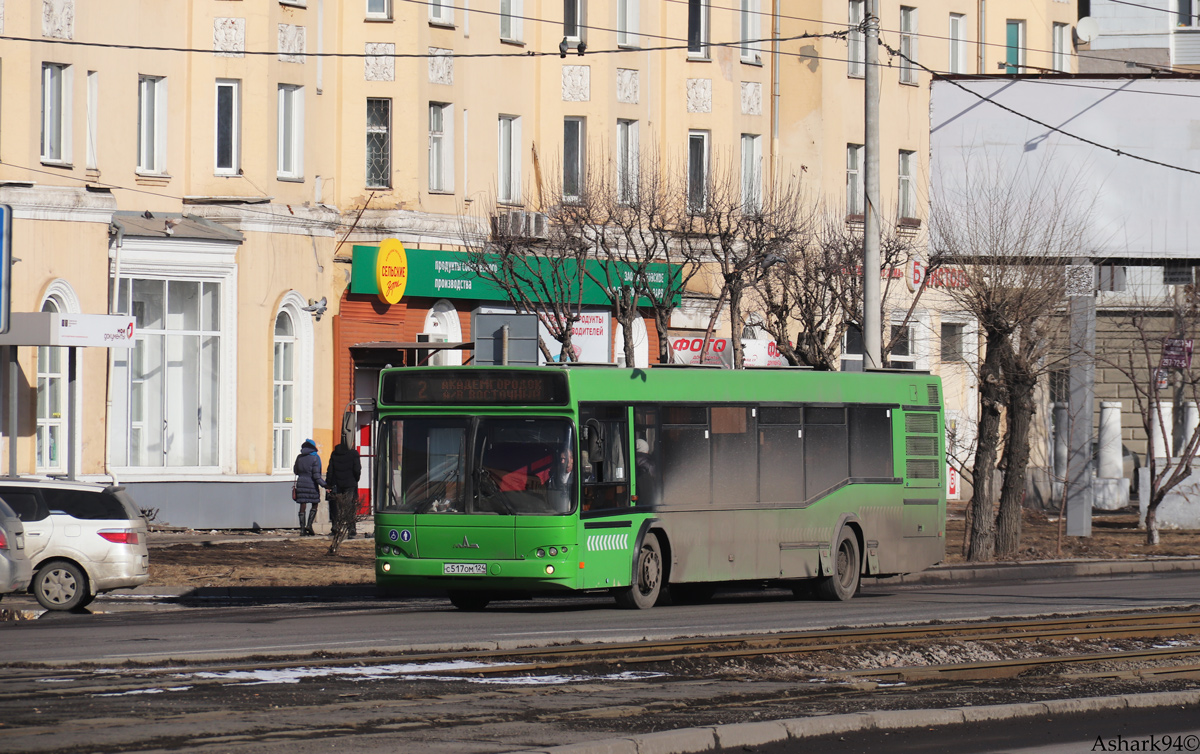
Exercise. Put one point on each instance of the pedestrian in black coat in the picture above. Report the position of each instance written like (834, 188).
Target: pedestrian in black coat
(342, 474)
(309, 482)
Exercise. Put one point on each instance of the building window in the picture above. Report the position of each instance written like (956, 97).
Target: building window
(749, 26)
(952, 341)
(855, 154)
(93, 118)
(379, 9)
(152, 124)
(509, 189)
(285, 390)
(510, 20)
(441, 147)
(169, 382)
(574, 148)
(1062, 46)
(627, 161)
(56, 112)
(908, 45)
(751, 172)
(291, 132)
(441, 12)
(902, 355)
(229, 127)
(573, 19)
(907, 197)
(697, 34)
(697, 171)
(853, 349)
(379, 143)
(51, 402)
(856, 44)
(958, 43)
(627, 23)
(1014, 53)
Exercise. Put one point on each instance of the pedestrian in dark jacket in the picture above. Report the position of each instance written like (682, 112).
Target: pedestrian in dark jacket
(308, 484)
(345, 467)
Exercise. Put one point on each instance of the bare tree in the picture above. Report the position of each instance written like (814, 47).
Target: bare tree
(1011, 233)
(1136, 337)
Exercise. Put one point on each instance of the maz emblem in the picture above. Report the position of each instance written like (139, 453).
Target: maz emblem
(466, 544)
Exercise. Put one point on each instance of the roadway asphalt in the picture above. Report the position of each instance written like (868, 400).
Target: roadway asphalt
(741, 737)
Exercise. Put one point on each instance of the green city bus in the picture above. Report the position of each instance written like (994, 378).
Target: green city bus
(492, 482)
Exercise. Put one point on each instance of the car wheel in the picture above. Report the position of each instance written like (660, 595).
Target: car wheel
(61, 586)
(647, 577)
(843, 583)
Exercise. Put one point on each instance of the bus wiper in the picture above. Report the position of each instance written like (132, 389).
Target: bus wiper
(489, 490)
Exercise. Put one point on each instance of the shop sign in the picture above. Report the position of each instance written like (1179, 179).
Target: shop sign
(951, 482)
(391, 271)
(70, 329)
(755, 353)
(448, 274)
(915, 274)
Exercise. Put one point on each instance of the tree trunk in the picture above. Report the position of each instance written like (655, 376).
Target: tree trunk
(1152, 519)
(1020, 384)
(991, 397)
(735, 327)
(626, 320)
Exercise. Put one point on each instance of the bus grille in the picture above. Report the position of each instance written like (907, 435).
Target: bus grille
(921, 468)
(924, 423)
(933, 395)
(921, 446)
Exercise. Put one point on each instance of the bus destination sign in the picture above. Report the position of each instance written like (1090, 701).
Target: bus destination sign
(476, 387)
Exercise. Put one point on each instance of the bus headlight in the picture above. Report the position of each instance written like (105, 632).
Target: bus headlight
(549, 570)
(387, 567)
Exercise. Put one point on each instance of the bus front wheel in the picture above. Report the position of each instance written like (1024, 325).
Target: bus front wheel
(842, 584)
(647, 577)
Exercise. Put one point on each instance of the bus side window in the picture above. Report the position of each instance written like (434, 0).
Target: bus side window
(646, 458)
(604, 427)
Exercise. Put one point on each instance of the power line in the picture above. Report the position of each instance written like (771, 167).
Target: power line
(1043, 124)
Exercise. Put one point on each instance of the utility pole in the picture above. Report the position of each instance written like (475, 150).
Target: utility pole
(872, 327)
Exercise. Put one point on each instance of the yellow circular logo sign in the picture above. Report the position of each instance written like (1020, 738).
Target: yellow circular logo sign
(391, 271)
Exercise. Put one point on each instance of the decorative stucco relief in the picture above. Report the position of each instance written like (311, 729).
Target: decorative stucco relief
(699, 95)
(576, 83)
(751, 98)
(380, 63)
(58, 19)
(441, 66)
(628, 86)
(229, 37)
(1, 16)
(291, 43)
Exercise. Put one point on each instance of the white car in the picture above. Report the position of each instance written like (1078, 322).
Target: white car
(15, 568)
(82, 539)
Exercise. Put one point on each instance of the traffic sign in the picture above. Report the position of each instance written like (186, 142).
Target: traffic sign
(5, 266)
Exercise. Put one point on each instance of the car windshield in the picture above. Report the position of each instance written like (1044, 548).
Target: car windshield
(481, 465)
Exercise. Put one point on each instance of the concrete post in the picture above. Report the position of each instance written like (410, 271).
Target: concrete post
(1062, 418)
(1157, 439)
(1191, 420)
(1109, 466)
(1082, 381)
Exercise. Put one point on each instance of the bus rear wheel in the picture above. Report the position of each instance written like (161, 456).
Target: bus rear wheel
(647, 577)
(842, 584)
(469, 600)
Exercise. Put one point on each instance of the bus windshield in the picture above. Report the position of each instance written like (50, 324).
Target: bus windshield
(505, 466)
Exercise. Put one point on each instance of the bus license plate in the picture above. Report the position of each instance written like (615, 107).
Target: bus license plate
(473, 569)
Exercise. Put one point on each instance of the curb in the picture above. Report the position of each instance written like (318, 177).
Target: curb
(1048, 569)
(737, 735)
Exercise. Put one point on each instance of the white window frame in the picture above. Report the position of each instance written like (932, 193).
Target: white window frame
(575, 35)
(508, 162)
(851, 361)
(576, 127)
(235, 126)
(441, 149)
(856, 43)
(750, 28)
(386, 130)
(93, 119)
(855, 155)
(627, 161)
(384, 12)
(909, 72)
(907, 360)
(698, 173)
(906, 203)
(628, 26)
(752, 172)
(511, 12)
(700, 50)
(1020, 65)
(958, 43)
(302, 381)
(1061, 45)
(290, 119)
(152, 125)
(50, 454)
(441, 12)
(56, 113)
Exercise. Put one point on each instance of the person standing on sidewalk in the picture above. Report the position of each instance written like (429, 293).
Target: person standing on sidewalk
(309, 482)
(342, 474)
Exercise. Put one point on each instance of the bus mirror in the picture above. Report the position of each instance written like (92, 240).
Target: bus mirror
(348, 428)
(595, 441)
